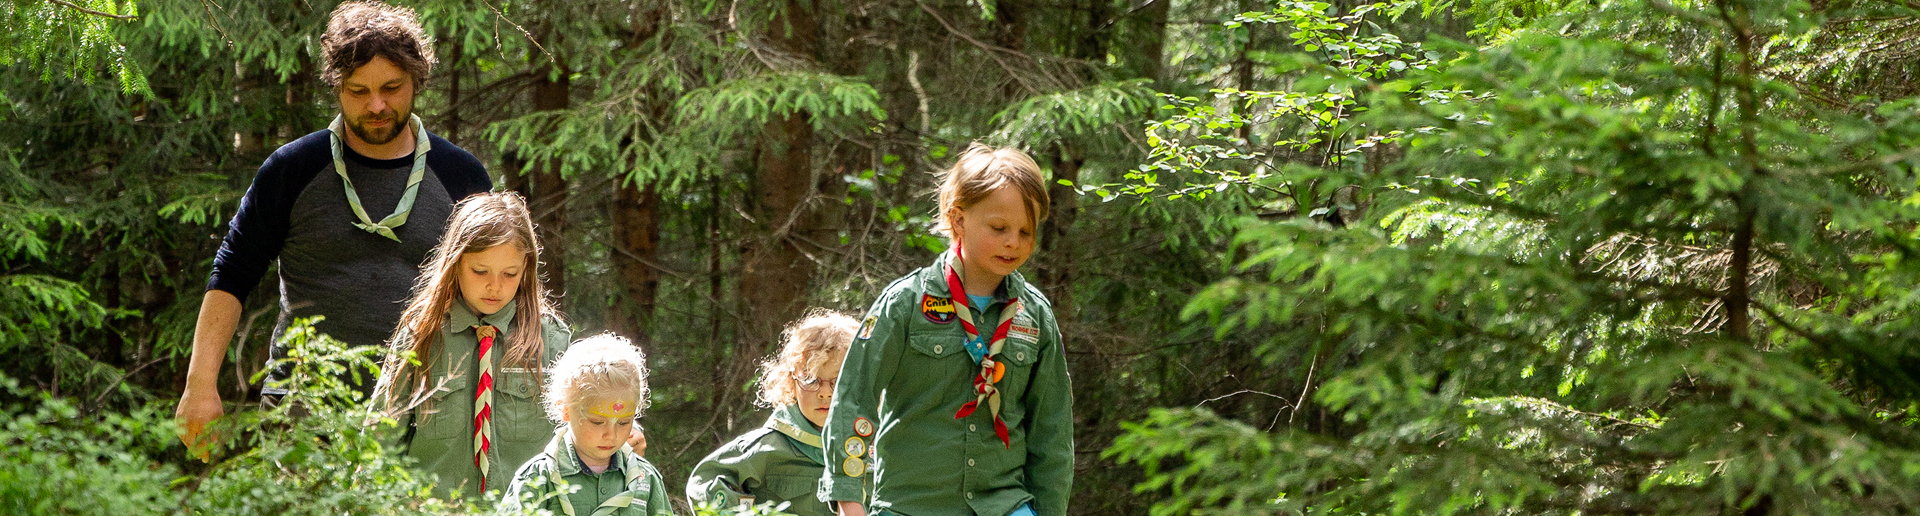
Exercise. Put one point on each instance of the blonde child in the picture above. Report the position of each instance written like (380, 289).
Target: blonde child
(480, 326)
(977, 414)
(597, 389)
(781, 461)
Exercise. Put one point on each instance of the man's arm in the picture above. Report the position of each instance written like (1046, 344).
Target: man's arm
(200, 402)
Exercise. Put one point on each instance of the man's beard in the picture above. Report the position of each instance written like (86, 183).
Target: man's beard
(379, 136)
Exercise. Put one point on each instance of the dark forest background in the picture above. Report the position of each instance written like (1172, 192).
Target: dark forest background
(1500, 257)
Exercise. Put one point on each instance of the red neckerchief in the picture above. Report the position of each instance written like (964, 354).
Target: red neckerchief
(990, 370)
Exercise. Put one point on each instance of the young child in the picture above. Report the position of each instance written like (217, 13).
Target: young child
(954, 393)
(781, 461)
(597, 390)
(480, 326)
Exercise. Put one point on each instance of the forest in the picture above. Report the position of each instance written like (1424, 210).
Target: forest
(1344, 257)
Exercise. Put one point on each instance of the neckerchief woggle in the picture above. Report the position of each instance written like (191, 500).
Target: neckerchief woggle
(990, 370)
(420, 147)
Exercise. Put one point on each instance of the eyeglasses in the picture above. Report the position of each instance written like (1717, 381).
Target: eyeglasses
(812, 384)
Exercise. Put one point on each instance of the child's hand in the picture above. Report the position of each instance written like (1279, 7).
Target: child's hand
(851, 509)
(638, 441)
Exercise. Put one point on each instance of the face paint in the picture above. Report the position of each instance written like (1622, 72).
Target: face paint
(616, 409)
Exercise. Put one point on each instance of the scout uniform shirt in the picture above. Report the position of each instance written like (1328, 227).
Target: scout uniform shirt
(630, 486)
(441, 435)
(907, 374)
(778, 462)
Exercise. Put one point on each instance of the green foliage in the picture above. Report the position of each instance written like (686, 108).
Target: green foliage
(71, 39)
(312, 454)
(1286, 143)
(56, 460)
(1609, 271)
(1076, 113)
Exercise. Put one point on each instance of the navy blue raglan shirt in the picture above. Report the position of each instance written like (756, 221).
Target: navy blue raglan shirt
(296, 214)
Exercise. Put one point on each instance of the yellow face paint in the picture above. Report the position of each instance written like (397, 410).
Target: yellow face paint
(616, 409)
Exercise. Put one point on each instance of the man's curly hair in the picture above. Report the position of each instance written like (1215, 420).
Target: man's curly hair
(360, 30)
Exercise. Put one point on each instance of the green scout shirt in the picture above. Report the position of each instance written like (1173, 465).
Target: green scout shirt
(778, 462)
(441, 433)
(630, 486)
(906, 375)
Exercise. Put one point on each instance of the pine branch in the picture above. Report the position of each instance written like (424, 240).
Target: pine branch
(77, 7)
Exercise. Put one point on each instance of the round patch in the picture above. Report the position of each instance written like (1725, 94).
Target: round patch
(856, 447)
(937, 309)
(862, 427)
(854, 467)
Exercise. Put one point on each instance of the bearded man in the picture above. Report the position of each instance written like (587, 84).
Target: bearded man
(348, 212)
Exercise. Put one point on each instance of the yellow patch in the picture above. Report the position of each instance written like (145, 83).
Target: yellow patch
(937, 309)
(854, 467)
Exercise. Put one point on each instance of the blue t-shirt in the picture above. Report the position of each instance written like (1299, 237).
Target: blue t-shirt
(977, 345)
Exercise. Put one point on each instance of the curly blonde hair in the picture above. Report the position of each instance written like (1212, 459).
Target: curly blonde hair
(805, 344)
(597, 367)
(983, 169)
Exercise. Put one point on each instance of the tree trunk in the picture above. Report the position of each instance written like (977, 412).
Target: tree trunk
(636, 216)
(775, 276)
(636, 229)
(547, 190)
(1056, 262)
(1149, 37)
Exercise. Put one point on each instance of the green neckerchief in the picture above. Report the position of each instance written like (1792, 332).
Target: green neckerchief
(788, 420)
(420, 147)
(567, 462)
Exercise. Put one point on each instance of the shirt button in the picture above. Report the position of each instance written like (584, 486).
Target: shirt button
(969, 463)
(1022, 355)
(970, 427)
(937, 349)
(969, 496)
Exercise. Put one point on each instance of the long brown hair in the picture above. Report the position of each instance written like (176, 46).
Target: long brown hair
(480, 222)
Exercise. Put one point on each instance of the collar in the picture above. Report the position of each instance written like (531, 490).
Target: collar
(462, 318)
(933, 280)
(566, 458)
(788, 420)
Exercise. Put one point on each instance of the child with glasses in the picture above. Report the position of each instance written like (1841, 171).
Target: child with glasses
(782, 460)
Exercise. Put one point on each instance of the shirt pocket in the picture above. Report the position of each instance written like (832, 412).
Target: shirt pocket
(789, 488)
(1019, 357)
(439, 418)
(936, 344)
(518, 414)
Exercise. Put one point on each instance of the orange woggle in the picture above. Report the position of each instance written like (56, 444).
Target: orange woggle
(999, 370)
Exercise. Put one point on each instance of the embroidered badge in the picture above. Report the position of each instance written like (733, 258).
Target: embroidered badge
(862, 427)
(937, 309)
(866, 328)
(856, 447)
(1026, 333)
(854, 467)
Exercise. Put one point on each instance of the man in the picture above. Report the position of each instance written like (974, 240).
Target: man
(320, 206)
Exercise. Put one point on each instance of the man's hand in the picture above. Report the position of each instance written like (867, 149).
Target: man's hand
(851, 508)
(197, 408)
(638, 440)
(200, 402)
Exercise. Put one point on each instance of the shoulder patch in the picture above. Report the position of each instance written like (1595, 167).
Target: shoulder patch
(866, 328)
(937, 309)
(1024, 326)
